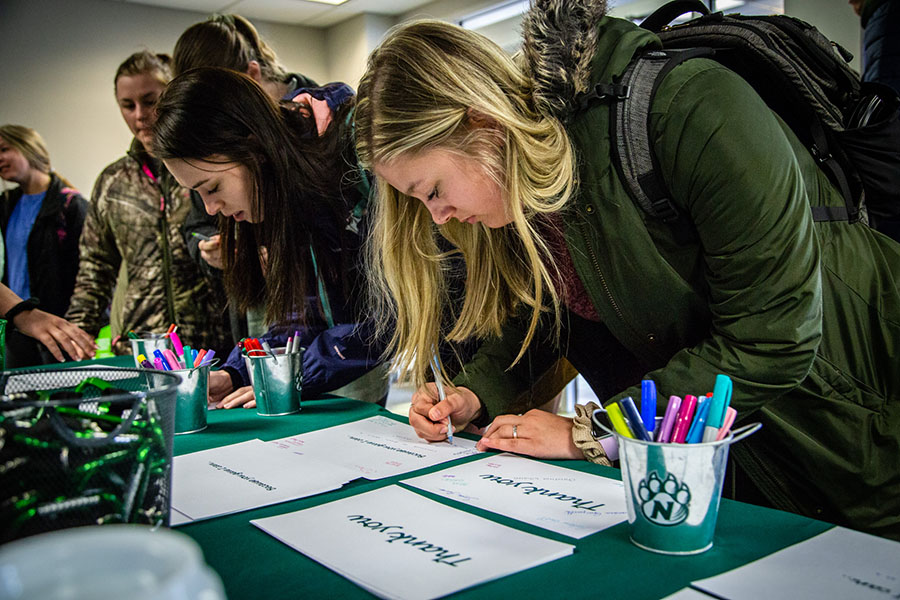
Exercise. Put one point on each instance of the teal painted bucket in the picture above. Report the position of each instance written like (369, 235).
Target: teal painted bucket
(277, 381)
(672, 491)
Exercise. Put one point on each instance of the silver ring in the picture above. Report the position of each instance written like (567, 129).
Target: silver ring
(515, 432)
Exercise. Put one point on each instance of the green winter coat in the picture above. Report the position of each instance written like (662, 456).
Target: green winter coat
(804, 316)
(136, 221)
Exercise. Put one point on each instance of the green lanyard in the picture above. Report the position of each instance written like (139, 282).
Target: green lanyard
(323, 294)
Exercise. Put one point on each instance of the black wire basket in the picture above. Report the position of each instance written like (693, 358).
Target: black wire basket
(84, 446)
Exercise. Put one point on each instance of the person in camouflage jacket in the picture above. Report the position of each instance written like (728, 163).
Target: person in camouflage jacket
(135, 218)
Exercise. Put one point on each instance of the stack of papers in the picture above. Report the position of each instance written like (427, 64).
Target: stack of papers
(398, 544)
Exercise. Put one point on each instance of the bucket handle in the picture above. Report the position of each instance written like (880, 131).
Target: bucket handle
(210, 364)
(742, 432)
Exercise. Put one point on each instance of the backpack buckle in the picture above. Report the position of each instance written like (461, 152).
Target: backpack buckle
(604, 92)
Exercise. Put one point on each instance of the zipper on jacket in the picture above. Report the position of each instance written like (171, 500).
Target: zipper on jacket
(163, 230)
(596, 263)
(609, 296)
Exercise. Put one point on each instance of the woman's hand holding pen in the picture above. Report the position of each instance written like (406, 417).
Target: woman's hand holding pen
(211, 251)
(537, 433)
(428, 416)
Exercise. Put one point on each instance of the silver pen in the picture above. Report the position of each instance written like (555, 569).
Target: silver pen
(441, 394)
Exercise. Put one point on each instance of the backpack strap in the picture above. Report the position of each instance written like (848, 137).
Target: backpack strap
(670, 11)
(827, 162)
(629, 118)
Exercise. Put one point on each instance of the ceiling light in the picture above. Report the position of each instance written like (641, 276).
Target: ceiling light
(332, 2)
(498, 13)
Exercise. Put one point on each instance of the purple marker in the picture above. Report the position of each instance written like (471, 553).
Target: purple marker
(668, 423)
(207, 358)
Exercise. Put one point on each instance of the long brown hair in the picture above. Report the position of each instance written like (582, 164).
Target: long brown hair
(303, 183)
(229, 41)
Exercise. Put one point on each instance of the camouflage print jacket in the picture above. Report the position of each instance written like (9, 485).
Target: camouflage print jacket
(135, 217)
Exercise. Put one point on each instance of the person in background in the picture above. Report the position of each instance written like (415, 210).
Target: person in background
(135, 218)
(41, 220)
(880, 20)
(502, 157)
(296, 207)
(232, 42)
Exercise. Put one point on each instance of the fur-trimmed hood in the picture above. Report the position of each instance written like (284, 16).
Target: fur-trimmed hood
(561, 38)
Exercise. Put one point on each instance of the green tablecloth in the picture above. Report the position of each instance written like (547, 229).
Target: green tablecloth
(253, 564)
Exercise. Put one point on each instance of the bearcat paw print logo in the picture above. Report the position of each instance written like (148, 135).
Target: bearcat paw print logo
(664, 502)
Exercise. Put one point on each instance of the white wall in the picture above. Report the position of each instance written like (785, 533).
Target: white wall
(349, 44)
(835, 19)
(60, 57)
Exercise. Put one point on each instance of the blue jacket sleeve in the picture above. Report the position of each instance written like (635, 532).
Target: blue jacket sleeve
(339, 355)
(333, 357)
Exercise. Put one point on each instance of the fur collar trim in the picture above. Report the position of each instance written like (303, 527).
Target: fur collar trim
(560, 41)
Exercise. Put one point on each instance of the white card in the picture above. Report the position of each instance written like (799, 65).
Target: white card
(569, 502)
(244, 476)
(839, 563)
(375, 448)
(398, 544)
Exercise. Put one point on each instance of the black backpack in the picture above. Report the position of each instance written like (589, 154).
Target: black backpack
(851, 128)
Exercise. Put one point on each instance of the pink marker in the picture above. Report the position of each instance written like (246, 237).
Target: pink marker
(683, 422)
(730, 416)
(176, 344)
(664, 434)
(173, 361)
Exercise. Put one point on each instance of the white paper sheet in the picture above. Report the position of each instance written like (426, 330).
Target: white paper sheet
(244, 476)
(569, 502)
(398, 544)
(839, 563)
(375, 448)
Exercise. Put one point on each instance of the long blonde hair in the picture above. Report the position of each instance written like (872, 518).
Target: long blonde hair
(421, 88)
(30, 143)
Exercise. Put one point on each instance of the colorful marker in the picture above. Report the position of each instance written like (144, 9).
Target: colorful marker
(683, 421)
(618, 420)
(719, 403)
(648, 405)
(664, 433)
(634, 419)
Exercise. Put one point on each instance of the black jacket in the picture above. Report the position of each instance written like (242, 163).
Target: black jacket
(52, 244)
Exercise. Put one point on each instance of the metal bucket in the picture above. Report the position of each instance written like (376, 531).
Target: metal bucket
(146, 344)
(277, 381)
(191, 399)
(672, 491)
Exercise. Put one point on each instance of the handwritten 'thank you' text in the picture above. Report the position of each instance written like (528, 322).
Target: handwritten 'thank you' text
(528, 488)
(394, 533)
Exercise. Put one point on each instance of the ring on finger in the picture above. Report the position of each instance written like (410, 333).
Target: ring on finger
(515, 432)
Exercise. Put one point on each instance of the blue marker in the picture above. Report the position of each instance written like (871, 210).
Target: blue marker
(695, 435)
(720, 401)
(648, 405)
(165, 364)
(634, 419)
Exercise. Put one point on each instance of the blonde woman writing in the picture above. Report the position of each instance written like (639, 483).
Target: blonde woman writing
(501, 158)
